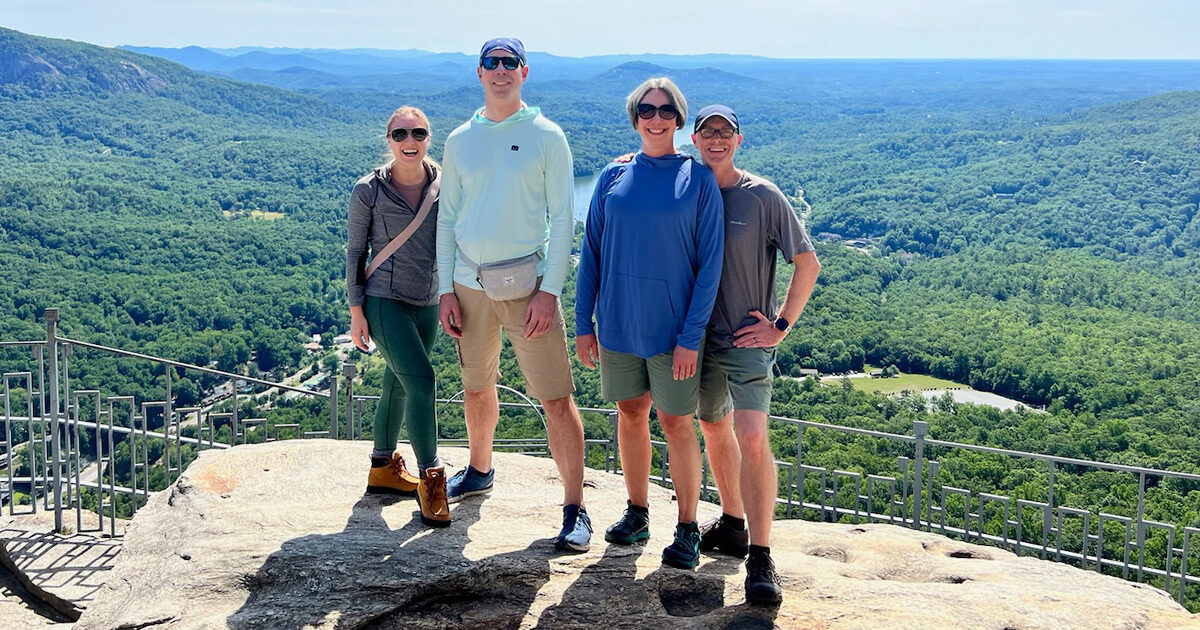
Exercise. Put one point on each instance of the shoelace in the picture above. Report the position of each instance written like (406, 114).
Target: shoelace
(437, 483)
(579, 516)
(396, 465)
(685, 540)
(762, 567)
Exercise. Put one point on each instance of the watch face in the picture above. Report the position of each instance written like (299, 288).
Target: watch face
(781, 324)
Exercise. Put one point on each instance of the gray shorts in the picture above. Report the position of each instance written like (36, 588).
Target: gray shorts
(735, 378)
(627, 376)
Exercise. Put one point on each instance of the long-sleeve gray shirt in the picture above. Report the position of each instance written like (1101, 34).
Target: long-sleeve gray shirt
(377, 214)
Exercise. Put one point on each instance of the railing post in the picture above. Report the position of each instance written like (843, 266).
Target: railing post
(233, 420)
(55, 454)
(349, 371)
(798, 476)
(1141, 526)
(920, 430)
(614, 419)
(333, 406)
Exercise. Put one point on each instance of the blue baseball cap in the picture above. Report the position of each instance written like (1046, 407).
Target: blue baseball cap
(716, 110)
(508, 44)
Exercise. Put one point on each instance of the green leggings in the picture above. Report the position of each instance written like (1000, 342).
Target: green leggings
(404, 335)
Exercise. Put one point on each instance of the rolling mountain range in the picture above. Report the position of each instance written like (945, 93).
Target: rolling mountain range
(1010, 206)
(1028, 228)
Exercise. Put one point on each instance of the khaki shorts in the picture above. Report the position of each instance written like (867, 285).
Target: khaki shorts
(544, 361)
(736, 378)
(627, 376)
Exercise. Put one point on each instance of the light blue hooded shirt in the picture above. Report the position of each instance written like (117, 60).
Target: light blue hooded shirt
(507, 191)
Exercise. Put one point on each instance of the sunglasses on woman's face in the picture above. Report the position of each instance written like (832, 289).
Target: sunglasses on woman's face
(491, 63)
(666, 112)
(400, 133)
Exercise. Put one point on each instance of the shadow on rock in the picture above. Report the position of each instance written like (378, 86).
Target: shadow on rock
(608, 593)
(370, 575)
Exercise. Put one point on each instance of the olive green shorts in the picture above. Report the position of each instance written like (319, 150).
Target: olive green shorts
(735, 378)
(627, 376)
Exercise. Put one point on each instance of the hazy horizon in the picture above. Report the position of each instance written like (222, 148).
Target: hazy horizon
(781, 29)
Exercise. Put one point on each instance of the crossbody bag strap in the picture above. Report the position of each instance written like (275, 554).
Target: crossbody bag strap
(401, 238)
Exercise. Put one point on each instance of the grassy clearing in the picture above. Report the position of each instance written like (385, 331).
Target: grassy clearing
(911, 382)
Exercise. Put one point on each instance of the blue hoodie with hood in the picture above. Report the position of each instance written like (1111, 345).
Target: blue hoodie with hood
(652, 254)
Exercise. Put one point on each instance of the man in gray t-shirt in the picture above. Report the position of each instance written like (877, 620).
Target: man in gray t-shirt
(746, 325)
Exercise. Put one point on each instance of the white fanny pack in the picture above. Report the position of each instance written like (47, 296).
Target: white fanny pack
(504, 280)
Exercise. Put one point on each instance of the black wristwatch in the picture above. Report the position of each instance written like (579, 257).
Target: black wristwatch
(781, 324)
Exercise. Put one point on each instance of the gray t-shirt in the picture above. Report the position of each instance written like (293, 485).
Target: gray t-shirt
(759, 222)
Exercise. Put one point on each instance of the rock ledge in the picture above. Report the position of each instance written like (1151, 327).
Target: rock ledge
(280, 535)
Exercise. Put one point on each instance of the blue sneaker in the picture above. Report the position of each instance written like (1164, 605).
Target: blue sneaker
(684, 551)
(576, 534)
(468, 482)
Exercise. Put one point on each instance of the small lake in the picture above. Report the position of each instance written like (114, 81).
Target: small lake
(583, 195)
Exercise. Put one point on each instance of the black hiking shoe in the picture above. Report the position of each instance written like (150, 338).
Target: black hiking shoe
(718, 534)
(762, 583)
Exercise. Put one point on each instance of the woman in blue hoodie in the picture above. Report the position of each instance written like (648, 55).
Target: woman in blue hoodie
(648, 273)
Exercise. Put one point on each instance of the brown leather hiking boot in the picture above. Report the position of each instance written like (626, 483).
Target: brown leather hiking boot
(388, 476)
(431, 495)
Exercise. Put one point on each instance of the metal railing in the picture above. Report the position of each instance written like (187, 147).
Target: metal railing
(77, 446)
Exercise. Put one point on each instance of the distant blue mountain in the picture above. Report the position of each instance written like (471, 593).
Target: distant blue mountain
(633, 72)
(194, 57)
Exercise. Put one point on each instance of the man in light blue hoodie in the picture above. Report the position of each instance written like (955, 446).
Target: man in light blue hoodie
(506, 195)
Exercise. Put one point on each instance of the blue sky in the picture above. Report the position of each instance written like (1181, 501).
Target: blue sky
(1130, 29)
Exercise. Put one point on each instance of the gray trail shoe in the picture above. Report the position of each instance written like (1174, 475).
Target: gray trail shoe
(576, 534)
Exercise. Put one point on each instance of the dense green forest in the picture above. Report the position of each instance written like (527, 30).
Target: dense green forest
(1032, 231)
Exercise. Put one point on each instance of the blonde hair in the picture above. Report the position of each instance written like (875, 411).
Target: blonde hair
(409, 110)
(657, 83)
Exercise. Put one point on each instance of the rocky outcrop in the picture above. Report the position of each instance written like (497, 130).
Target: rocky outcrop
(43, 63)
(280, 536)
(17, 67)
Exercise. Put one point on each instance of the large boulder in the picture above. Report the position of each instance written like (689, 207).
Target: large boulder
(280, 535)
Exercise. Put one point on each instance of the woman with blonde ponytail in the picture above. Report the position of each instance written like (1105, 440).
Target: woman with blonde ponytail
(393, 302)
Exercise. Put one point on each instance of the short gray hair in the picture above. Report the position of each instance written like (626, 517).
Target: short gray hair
(657, 83)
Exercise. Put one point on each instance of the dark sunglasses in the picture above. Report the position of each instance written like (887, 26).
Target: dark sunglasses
(666, 112)
(400, 133)
(725, 132)
(491, 63)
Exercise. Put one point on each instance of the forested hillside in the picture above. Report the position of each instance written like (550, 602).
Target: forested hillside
(134, 193)
(1031, 229)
